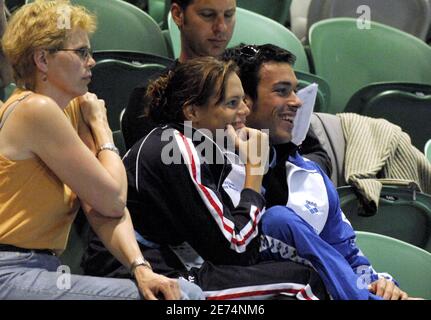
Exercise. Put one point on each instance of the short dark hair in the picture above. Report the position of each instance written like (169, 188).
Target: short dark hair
(182, 3)
(250, 58)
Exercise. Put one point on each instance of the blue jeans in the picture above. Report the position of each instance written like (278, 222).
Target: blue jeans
(30, 275)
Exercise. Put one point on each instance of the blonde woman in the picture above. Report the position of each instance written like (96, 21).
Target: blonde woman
(46, 170)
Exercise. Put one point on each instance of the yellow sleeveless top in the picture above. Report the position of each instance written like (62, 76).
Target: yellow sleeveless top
(36, 208)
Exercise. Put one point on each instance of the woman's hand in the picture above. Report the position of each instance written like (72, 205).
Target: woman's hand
(253, 148)
(93, 109)
(152, 285)
(94, 115)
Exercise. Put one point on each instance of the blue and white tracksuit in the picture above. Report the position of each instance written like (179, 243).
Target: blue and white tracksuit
(311, 229)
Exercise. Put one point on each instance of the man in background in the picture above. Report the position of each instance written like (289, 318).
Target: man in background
(206, 27)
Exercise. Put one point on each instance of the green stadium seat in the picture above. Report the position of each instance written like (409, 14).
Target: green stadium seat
(123, 26)
(119, 142)
(158, 10)
(132, 57)
(264, 31)
(370, 90)
(409, 265)
(412, 16)
(427, 150)
(403, 214)
(13, 5)
(168, 42)
(349, 58)
(407, 105)
(277, 10)
(113, 81)
(324, 92)
(6, 92)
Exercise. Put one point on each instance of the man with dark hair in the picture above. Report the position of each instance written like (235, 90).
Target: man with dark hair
(302, 205)
(206, 27)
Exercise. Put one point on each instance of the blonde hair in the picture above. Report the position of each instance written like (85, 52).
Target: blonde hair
(43, 24)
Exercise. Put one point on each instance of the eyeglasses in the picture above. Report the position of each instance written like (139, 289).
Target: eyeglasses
(83, 53)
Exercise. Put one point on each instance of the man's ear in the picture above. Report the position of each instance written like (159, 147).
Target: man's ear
(191, 113)
(40, 60)
(177, 15)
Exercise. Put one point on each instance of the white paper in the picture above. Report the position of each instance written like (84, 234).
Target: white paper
(301, 123)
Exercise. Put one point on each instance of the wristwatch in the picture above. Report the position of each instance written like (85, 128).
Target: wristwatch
(139, 262)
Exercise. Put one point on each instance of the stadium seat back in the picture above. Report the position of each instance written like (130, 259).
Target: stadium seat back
(113, 80)
(427, 150)
(123, 26)
(406, 105)
(6, 92)
(119, 142)
(277, 10)
(341, 57)
(156, 9)
(412, 16)
(409, 265)
(403, 214)
(369, 91)
(323, 93)
(133, 57)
